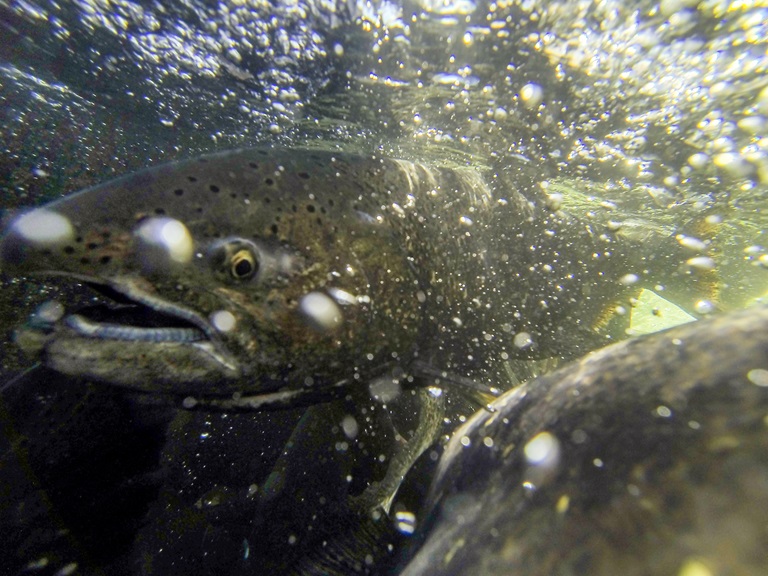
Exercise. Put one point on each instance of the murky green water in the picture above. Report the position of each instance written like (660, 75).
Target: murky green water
(633, 115)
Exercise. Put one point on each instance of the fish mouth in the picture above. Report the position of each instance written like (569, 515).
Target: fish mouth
(128, 313)
(136, 317)
(130, 337)
(132, 323)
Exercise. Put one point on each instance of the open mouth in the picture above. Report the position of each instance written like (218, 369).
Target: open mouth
(128, 314)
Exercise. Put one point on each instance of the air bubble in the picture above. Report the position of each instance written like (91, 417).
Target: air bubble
(223, 320)
(162, 241)
(523, 340)
(663, 411)
(385, 389)
(701, 263)
(698, 160)
(542, 450)
(405, 522)
(704, 307)
(758, 377)
(320, 311)
(691, 243)
(532, 95)
(629, 279)
(44, 229)
(350, 427)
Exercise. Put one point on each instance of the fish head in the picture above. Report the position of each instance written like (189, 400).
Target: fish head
(239, 272)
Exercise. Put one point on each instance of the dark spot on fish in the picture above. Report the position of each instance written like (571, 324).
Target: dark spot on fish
(105, 259)
(253, 165)
(199, 209)
(178, 192)
(304, 175)
(330, 201)
(91, 245)
(233, 195)
(323, 210)
(294, 208)
(213, 188)
(191, 178)
(159, 211)
(85, 260)
(319, 221)
(263, 152)
(69, 250)
(310, 207)
(269, 182)
(106, 233)
(79, 239)
(274, 229)
(267, 199)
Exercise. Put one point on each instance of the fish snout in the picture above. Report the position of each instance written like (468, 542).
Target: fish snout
(48, 240)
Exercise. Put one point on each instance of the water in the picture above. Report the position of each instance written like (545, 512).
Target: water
(657, 106)
(647, 113)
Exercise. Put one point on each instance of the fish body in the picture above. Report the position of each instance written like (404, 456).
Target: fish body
(276, 273)
(645, 457)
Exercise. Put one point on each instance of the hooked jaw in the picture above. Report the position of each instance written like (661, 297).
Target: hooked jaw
(134, 338)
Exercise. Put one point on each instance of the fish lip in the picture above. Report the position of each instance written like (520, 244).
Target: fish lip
(129, 289)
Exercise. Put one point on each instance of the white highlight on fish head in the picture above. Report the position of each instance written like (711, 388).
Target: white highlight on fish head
(223, 320)
(43, 229)
(162, 241)
(320, 311)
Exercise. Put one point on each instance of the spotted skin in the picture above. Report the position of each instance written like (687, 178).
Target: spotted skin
(645, 457)
(454, 267)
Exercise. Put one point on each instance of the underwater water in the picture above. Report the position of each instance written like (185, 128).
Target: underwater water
(646, 120)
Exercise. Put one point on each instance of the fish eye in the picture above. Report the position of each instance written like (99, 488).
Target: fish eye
(243, 264)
